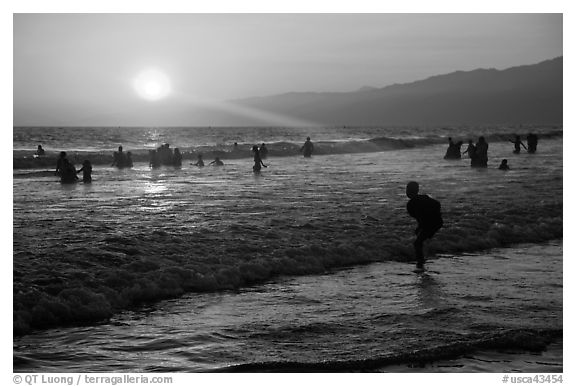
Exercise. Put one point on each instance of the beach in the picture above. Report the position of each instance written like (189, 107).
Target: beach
(90, 253)
(496, 311)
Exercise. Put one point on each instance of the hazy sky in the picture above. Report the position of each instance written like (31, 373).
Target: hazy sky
(103, 69)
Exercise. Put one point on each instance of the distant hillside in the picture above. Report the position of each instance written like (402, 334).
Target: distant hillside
(525, 94)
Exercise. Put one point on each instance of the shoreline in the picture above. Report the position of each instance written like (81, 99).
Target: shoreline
(439, 322)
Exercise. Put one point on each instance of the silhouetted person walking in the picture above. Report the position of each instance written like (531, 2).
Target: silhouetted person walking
(532, 140)
(426, 211)
(307, 148)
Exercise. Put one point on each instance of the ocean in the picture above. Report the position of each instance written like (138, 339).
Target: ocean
(304, 267)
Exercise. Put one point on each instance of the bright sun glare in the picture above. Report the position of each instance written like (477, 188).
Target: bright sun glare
(152, 85)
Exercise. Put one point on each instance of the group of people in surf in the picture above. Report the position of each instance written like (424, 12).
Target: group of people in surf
(122, 160)
(162, 156)
(68, 173)
(259, 154)
(478, 153)
(531, 139)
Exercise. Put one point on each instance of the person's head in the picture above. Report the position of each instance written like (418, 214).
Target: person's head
(449, 139)
(199, 156)
(120, 148)
(307, 138)
(39, 147)
(254, 148)
(481, 140)
(412, 189)
(263, 144)
(504, 162)
(86, 163)
(470, 142)
(128, 154)
(62, 154)
(176, 150)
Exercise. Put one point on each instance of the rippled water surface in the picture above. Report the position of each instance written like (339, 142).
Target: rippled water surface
(357, 314)
(249, 263)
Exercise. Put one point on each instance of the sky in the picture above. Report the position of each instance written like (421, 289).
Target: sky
(123, 69)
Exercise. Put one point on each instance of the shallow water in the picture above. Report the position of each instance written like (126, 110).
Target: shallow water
(84, 252)
(364, 318)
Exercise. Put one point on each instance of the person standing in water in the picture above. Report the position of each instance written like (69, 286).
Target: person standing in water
(119, 159)
(86, 172)
(263, 151)
(60, 163)
(427, 212)
(177, 158)
(257, 160)
(217, 162)
(40, 151)
(68, 175)
(504, 165)
(154, 160)
(471, 149)
(454, 149)
(129, 163)
(481, 153)
(200, 162)
(517, 142)
(307, 148)
(532, 140)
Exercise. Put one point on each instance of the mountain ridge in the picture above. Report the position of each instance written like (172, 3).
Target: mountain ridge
(520, 94)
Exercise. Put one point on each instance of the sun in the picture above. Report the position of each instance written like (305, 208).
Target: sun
(152, 84)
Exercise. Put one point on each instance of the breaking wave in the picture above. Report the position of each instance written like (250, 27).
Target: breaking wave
(23, 158)
(126, 272)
